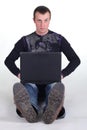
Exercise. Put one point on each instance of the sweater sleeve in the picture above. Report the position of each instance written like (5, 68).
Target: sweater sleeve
(14, 55)
(71, 55)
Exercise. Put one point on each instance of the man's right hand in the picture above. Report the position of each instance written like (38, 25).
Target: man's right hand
(18, 76)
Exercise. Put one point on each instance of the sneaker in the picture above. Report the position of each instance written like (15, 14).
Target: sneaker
(55, 102)
(22, 101)
(19, 113)
(61, 114)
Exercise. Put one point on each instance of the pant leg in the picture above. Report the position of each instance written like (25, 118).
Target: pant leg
(33, 94)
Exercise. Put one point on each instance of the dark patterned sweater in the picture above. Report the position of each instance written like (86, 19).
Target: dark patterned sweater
(50, 42)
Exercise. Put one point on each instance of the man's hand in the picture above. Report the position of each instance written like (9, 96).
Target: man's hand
(18, 76)
(61, 76)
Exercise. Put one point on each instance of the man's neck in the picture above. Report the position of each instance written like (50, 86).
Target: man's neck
(42, 34)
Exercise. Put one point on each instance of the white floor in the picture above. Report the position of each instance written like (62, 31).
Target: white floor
(75, 104)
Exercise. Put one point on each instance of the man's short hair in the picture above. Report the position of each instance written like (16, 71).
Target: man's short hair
(42, 10)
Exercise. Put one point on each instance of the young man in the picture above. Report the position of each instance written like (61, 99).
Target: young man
(27, 96)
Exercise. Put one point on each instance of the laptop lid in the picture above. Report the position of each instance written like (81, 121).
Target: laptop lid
(40, 67)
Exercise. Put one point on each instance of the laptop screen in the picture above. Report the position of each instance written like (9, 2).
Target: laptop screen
(40, 67)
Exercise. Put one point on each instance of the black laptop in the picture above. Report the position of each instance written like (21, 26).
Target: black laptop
(40, 67)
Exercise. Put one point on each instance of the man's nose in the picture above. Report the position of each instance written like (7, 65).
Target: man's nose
(42, 24)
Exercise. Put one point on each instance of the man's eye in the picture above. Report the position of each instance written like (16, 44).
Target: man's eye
(46, 20)
(39, 20)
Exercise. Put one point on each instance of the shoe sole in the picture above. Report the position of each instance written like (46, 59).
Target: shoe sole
(22, 101)
(55, 103)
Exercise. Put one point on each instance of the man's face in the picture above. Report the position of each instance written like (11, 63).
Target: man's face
(42, 22)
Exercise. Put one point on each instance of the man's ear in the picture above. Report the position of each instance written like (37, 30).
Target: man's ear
(34, 20)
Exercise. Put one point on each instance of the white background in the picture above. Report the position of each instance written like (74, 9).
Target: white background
(69, 18)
